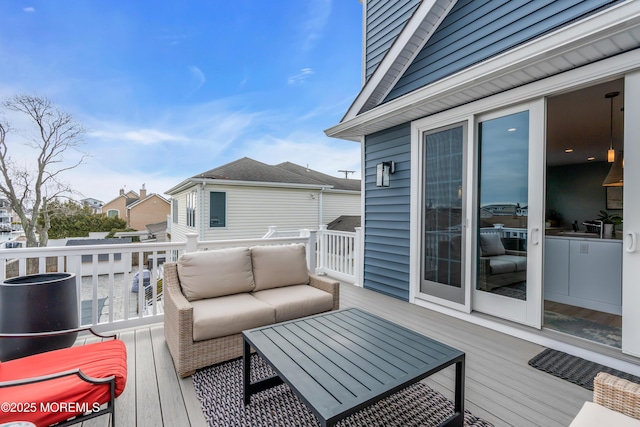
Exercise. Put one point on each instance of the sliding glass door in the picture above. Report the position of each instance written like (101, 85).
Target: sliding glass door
(507, 283)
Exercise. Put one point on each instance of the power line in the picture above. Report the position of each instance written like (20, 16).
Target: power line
(346, 173)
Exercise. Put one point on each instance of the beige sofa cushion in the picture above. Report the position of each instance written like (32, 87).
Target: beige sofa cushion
(296, 301)
(491, 245)
(593, 415)
(277, 266)
(208, 274)
(228, 315)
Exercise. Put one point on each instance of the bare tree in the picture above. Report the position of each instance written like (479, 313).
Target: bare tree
(30, 185)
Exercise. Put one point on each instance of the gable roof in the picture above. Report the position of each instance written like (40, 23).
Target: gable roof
(345, 223)
(246, 170)
(135, 203)
(601, 33)
(336, 182)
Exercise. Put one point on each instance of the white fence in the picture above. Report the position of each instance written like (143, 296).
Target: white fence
(105, 273)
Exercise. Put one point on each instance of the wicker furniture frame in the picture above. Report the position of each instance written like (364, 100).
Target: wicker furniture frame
(617, 394)
(189, 355)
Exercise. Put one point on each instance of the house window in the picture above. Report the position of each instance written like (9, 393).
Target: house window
(174, 210)
(191, 209)
(113, 213)
(217, 209)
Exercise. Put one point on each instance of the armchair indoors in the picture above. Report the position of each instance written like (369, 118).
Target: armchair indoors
(65, 386)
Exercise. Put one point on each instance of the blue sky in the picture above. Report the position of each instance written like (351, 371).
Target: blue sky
(169, 89)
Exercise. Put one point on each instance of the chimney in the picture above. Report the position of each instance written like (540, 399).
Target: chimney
(122, 191)
(143, 192)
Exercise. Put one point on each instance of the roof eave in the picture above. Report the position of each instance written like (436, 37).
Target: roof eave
(211, 181)
(438, 96)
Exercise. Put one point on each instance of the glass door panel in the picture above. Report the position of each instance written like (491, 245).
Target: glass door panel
(509, 206)
(442, 269)
(503, 205)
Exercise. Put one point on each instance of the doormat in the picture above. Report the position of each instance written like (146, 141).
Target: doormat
(574, 369)
(219, 389)
(583, 328)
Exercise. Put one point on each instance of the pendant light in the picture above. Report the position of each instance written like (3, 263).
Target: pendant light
(615, 176)
(611, 154)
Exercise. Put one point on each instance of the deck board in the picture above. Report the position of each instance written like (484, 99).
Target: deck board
(500, 386)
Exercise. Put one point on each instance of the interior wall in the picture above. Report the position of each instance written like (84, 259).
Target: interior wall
(576, 192)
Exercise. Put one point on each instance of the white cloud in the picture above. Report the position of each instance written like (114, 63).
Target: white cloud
(198, 78)
(140, 136)
(300, 78)
(29, 9)
(313, 26)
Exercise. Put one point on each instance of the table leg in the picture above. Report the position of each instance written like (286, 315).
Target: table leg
(457, 419)
(246, 372)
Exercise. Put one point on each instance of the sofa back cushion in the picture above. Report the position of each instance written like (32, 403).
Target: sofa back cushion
(278, 266)
(214, 273)
(491, 245)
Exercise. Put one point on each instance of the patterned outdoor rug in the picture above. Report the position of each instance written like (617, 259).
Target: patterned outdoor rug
(574, 369)
(583, 328)
(219, 389)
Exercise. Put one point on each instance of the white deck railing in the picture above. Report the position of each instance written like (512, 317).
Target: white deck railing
(339, 254)
(105, 273)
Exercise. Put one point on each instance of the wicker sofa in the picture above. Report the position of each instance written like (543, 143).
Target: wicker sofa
(212, 296)
(616, 402)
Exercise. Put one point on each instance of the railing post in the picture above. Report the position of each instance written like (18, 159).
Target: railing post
(192, 242)
(358, 257)
(311, 248)
(322, 249)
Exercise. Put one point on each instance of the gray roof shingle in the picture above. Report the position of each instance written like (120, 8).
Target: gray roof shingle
(246, 169)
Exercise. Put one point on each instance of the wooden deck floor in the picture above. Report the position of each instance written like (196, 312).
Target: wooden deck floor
(500, 386)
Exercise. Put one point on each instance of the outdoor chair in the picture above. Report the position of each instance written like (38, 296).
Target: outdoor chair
(616, 402)
(64, 386)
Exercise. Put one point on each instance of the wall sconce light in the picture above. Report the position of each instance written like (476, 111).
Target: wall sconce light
(383, 170)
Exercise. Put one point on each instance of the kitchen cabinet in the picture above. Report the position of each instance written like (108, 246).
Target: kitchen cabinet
(584, 272)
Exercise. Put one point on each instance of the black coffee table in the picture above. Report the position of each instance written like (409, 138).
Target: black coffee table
(342, 361)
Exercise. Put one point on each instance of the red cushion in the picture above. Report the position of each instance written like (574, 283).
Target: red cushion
(66, 396)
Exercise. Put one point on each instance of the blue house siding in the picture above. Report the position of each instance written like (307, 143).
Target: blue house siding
(476, 30)
(384, 21)
(387, 209)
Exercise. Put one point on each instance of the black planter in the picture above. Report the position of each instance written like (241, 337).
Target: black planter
(37, 303)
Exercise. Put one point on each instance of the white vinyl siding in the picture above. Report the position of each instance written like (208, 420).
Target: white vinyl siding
(338, 204)
(179, 229)
(251, 210)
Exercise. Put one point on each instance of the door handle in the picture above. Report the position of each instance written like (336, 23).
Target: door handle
(633, 243)
(535, 236)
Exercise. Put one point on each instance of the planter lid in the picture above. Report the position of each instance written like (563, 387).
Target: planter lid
(33, 279)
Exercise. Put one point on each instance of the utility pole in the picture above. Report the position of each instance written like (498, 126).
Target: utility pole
(346, 173)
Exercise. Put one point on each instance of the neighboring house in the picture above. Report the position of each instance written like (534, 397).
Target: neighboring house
(138, 210)
(95, 204)
(345, 223)
(120, 263)
(476, 119)
(243, 198)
